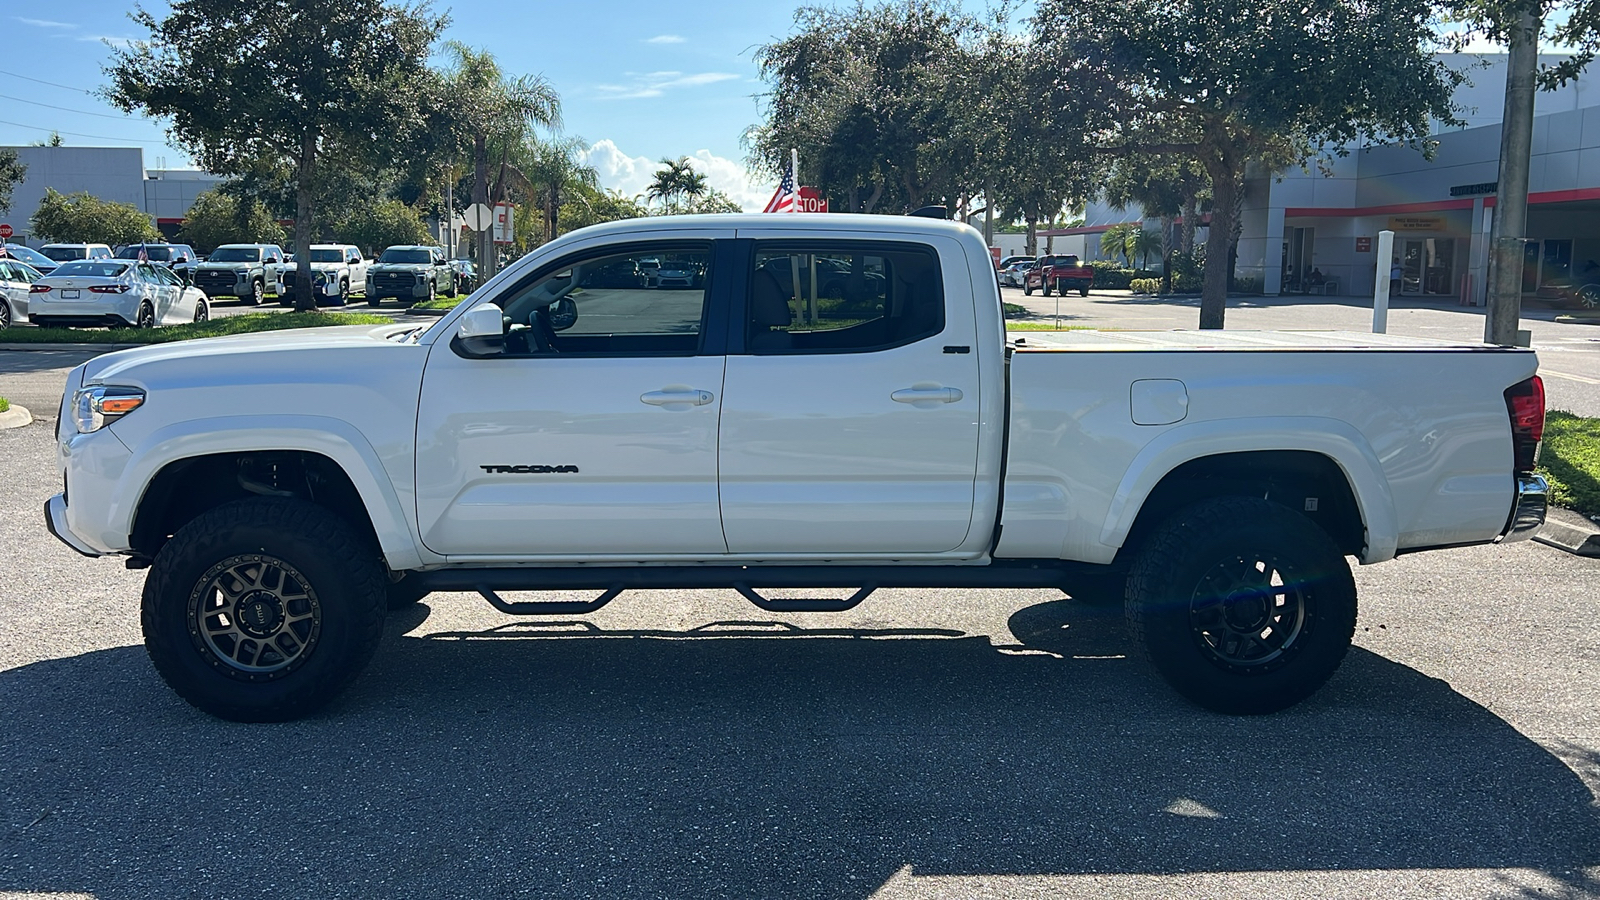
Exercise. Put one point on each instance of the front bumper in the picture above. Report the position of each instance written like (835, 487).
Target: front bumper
(55, 519)
(1527, 514)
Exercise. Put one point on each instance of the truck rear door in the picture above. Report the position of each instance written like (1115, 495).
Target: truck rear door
(850, 405)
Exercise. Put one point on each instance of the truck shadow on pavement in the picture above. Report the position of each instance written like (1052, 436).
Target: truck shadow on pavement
(746, 759)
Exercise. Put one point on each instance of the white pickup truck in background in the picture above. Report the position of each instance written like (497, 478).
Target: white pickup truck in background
(831, 402)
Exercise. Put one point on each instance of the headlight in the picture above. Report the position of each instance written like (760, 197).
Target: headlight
(93, 407)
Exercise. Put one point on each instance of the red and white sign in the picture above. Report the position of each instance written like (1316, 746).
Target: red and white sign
(811, 201)
(503, 220)
(6, 232)
(994, 256)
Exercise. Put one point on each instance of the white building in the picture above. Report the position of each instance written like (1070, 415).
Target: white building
(109, 173)
(1440, 209)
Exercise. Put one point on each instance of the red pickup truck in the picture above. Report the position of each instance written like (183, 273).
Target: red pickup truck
(1061, 272)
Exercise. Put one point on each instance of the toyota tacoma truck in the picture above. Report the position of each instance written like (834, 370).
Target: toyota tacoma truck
(337, 271)
(411, 273)
(570, 430)
(246, 271)
(1062, 273)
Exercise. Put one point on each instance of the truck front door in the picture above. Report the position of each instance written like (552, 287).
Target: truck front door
(584, 437)
(850, 416)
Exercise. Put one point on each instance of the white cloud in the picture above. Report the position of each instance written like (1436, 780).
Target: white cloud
(632, 174)
(45, 23)
(654, 84)
(665, 39)
(118, 42)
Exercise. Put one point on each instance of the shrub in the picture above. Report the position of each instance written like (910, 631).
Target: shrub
(1248, 284)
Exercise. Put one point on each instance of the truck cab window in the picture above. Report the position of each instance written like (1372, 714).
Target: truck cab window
(649, 301)
(842, 299)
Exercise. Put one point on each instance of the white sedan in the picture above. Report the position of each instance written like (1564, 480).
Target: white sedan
(16, 279)
(115, 292)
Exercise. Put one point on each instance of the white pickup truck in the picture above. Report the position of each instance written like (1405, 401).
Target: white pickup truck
(831, 402)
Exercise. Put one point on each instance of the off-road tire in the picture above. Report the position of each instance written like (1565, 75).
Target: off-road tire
(1044, 287)
(339, 570)
(1083, 292)
(1199, 630)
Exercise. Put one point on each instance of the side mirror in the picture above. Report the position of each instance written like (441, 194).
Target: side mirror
(481, 334)
(563, 314)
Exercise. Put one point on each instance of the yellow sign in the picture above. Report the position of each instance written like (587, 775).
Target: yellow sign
(1416, 223)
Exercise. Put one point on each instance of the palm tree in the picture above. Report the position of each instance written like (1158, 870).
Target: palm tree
(491, 108)
(677, 181)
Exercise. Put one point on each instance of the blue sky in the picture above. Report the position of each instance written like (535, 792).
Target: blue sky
(638, 81)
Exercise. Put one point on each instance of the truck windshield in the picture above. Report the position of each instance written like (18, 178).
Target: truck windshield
(152, 252)
(236, 254)
(90, 268)
(62, 254)
(401, 255)
(326, 255)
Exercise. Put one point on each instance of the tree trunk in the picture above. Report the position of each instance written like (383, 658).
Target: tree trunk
(988, 213)
(872, 199)
(1224, 210)
(304, 205)
(480, 194)
(1166, 254)
(1033, 236)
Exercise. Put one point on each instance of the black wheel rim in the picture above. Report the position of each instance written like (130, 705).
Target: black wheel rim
(200, 312)
(1251, 612)
(147, 317)
(5, 314)
(254, 617)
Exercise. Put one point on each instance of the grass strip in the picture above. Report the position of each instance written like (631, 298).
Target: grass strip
(242, 324)
(1570, 460)
(4, 404)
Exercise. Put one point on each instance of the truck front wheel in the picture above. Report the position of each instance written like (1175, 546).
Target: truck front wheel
(264, 609)
(1242, 605)
(1027, 288)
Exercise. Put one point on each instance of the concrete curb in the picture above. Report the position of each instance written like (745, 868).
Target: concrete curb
(437, 313)
(1569, 531)
(1579, 319)
(105, 348)
(15, 417)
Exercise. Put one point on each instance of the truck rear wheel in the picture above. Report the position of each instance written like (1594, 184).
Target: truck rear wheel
(1242, 605)
(1027, 289)
(1083, 292)
(256, 293)
(1044, 287)
(264, 609)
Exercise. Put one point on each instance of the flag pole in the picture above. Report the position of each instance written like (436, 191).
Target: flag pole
(794, 170)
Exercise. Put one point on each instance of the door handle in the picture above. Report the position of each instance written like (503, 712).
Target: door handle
(677, 397)
(929, 395)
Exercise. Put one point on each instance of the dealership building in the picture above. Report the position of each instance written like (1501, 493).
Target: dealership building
(109, 173)
(1440, 209)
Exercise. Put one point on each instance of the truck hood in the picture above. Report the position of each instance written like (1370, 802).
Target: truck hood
(412, 268)
(224, 266)
(264, 356)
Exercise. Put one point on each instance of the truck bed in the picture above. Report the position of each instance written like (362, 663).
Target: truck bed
(1100, 341)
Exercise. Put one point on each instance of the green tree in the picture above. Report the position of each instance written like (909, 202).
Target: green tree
(872, 96)
(85, 218)
(385, 223)
(218, 217)
(304, 84)
(1121, 240)
(491, 113)
(555, 173)
(12, 173)
(586, 205)
(1230, 83)
(676, 182)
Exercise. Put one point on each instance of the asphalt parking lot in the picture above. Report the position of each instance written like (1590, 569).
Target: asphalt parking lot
(948, 744)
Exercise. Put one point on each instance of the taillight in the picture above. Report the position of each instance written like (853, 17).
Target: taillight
(38, 288)
(1525, 403)
(108, 288)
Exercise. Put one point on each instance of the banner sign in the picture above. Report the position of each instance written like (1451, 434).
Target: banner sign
(1416, 223)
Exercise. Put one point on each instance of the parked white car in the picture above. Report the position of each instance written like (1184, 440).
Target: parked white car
(115, 292)
(337, 271)
(1012, 275)
(70, 252)
(16, 278)
(564, 429)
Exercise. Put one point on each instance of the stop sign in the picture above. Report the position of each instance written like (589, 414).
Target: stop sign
(810, 201)
(5, 231)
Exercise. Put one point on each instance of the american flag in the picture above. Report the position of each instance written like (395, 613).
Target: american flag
(783, 199)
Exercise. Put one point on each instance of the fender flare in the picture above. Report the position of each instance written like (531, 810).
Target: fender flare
(333, 438)
(1333, 438)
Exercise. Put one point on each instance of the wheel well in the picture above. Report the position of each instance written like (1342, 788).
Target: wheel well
(186, 488)
(1306, 482)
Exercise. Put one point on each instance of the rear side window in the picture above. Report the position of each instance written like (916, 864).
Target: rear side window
(842, 297)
